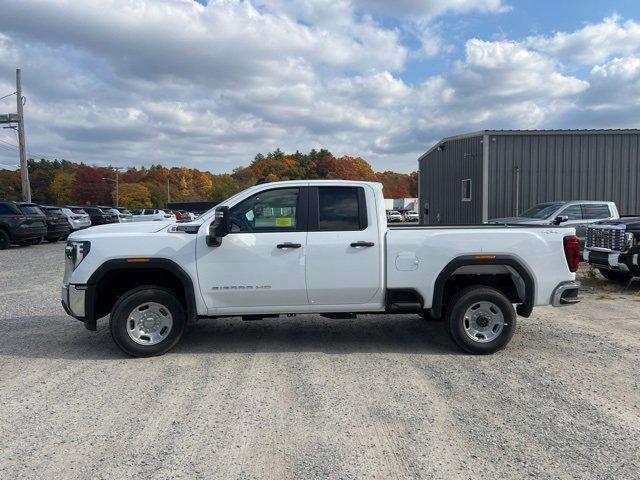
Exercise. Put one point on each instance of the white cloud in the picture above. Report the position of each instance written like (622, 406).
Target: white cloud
(594, 43)
(432, 8)
(131, 82)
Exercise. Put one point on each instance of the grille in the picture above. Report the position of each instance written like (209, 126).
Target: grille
(609, 237)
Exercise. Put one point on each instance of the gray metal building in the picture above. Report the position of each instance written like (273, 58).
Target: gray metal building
(471, 178)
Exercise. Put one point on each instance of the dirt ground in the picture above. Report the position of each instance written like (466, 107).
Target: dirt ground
(306, 397)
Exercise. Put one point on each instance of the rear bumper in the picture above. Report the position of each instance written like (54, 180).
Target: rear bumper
(77, 301)
(54, 231)
(566, 294)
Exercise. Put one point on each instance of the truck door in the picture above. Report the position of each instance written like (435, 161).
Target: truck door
(261, 263)
(344, 264)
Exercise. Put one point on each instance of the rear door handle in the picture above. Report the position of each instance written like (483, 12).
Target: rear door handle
(288, 245)
(362, 244)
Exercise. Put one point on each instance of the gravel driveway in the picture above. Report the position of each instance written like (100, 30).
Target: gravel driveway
(307, 397)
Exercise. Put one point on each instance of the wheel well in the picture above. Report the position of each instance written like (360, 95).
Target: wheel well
(502, 273)
(115, 283)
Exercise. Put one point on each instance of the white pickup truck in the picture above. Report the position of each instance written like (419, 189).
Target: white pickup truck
(313, 246)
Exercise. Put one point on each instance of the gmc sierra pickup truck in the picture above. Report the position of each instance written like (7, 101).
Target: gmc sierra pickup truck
(313, 246)
(612, 246)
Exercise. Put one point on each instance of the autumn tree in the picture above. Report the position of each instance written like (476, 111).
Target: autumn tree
(62, 187)
(135, 195)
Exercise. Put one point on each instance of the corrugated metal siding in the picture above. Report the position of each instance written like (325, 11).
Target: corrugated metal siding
(441, 175)
(563, 167)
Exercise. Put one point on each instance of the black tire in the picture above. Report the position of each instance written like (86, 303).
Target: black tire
(457, 324)
(126, 305)
(617, 277)
(25, 243)
(36, 241)
(53, 240)
(5, 240)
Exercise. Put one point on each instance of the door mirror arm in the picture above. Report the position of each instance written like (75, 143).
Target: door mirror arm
(220, 227)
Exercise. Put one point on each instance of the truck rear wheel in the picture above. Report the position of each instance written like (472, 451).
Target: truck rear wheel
(147, 321)
(481, 320)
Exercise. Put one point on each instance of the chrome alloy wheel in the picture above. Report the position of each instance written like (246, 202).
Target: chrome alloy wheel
(149, 323)
(483, 322)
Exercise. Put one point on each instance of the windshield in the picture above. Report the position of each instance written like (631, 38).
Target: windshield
(541, 211)
(78, 210)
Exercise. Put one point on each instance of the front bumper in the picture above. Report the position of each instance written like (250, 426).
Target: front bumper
(77, 301)
(612, 260)
(566, 294)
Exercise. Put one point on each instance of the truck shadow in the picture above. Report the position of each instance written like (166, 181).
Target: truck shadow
(59, 337)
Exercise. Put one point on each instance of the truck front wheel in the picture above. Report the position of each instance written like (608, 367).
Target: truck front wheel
(481, 320)
(147, 321)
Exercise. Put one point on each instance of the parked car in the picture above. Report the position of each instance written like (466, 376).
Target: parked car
(19, 227)
(122, 214)
(578, 214)
(182, 216)
(612, 246)
(411, 216)
(263, 252)
(57, 224)
(76, 217)
(33, 209)
(394, 216)
(99, 216)
(154, 214)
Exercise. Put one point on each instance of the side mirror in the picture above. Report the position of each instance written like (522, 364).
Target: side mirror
(560, 219)
(220, 227)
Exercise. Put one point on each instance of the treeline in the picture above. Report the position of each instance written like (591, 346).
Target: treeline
(64, 182)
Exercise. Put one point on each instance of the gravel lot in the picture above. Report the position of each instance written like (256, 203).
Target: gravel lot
(306, 397)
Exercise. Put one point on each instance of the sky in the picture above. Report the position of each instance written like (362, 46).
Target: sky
(210, 84)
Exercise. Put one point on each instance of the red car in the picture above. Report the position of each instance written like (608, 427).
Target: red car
(181, 216)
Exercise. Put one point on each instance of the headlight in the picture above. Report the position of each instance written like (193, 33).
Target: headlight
(76, 251)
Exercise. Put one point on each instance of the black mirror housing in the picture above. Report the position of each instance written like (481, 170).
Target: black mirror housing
(560, 219)
(220, 227)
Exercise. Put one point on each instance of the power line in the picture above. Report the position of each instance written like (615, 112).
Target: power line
(8, 95)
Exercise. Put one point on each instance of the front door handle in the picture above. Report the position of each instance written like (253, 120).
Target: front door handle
(362, 244)
(288, 245)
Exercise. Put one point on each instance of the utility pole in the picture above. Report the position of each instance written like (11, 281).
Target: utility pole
(168, 194)
(117, 182)
(24, 171)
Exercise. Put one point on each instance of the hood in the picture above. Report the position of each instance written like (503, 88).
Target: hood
(121, 228)
(626, 221)
(519, 220)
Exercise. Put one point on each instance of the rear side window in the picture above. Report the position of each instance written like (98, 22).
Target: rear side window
(595, 210)
(78, 210)
(574, 212)
(31, 210)
(6, 210)
(339, 209)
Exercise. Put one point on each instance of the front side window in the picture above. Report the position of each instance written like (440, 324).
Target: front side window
(595, 210)
(466, 190)
(268, 211)
(338, 208)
